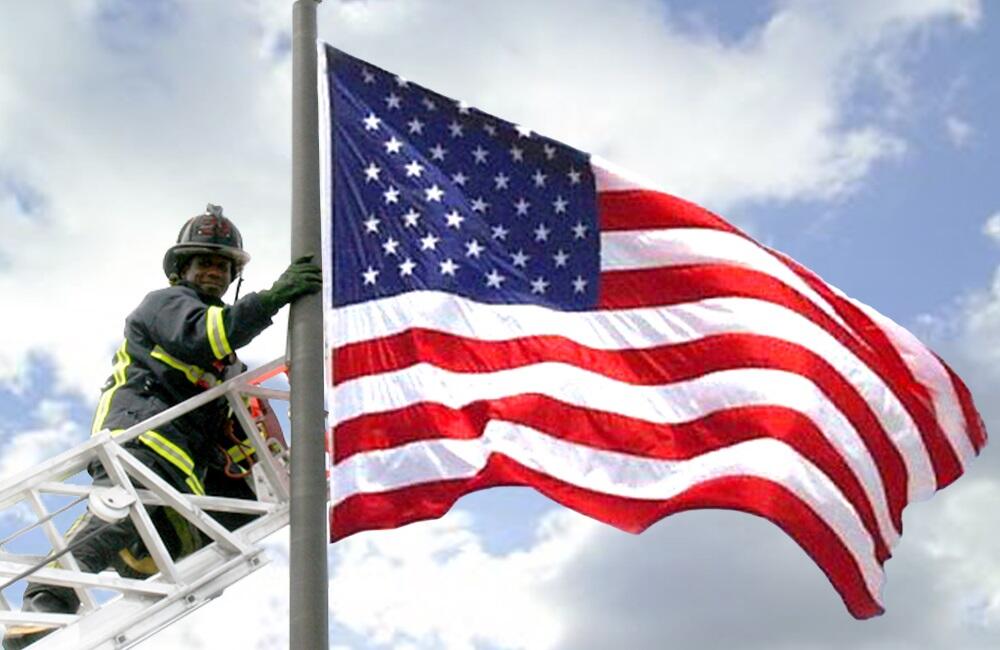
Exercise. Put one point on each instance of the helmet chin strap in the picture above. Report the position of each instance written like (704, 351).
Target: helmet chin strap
(239, 283)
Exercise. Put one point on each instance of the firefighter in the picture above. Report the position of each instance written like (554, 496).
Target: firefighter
(179, 341)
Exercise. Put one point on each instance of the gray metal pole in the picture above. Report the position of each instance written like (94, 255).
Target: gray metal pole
(309, 523)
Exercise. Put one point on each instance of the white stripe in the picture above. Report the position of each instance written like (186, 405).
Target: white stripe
(609, 177)
(674, 403)
(611, 473)
(637, 329)
(644, 249)
(928, 370)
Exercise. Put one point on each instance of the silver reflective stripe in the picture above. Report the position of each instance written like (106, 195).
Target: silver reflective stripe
(216, 328)
(195, 374)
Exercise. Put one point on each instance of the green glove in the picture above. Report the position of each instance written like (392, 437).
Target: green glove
(301, 277)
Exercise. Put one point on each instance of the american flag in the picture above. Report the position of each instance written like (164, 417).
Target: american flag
(504, 310)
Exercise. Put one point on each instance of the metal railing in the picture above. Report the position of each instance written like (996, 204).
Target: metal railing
(116, 611)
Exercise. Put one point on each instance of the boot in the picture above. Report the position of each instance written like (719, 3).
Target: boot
(47, 599)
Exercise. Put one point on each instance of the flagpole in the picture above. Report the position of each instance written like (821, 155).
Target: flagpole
(309, 519)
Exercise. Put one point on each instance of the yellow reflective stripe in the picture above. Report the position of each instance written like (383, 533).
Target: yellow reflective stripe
(226, 348)
(153, 439)
(188, 535)
(194, 374)
(210, 328)
(122, 361)
(217, 333)
(175, 455)
(146, 565)
(195, 485)
(236, 452)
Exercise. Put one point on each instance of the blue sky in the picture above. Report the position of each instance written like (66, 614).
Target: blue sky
(858, 137)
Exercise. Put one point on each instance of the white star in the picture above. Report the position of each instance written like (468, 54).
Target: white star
(428, 104)
(559, 205)
(411, 218)
(448, 267)
(402, 83)
(502, 181)
(459, 178)
(499, 232)
(392, 145)
(393, 100)
(574, 176)
(473, 249)
(522, 131)
(463, 108)
(372, 172)
(579, 230)
(494, 279)
(490, 129)
(454, 219)
(415, 126)
(369, 77)
(429, 243)
(456, 129)
(539, 285)
(433, 193)
(539, 178)
(579, 284)
(369, 275)
(391, 195)
(390, 246)
(516, 154)
(560, 258)
(542, 233)
(371, 225)
(414, 169)
(521, 207)
(480, 154)
(438, 152)
(479, 205)
(550, 151)
(372, 122)
(407, 266)
(520, 259)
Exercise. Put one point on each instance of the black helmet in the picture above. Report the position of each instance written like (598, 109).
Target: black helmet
(209, 233)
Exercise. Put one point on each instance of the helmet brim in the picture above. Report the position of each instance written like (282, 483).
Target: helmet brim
(174, 257)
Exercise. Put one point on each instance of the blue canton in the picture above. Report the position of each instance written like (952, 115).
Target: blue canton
(431, 194)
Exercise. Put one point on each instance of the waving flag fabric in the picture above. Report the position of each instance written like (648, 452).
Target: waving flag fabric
(505, 310)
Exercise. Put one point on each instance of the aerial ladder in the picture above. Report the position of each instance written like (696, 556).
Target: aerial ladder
(120, 611)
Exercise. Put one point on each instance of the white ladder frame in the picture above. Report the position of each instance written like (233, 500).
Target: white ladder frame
(142, 607)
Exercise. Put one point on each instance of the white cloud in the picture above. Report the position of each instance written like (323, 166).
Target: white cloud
(124, 146)
(992, 227)
(959, 131)
(144, 113)
(126, 124)
(430, 585)
(434, 585)
(30, 447)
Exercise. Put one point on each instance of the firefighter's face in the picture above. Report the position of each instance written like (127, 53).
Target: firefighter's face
(212, 274)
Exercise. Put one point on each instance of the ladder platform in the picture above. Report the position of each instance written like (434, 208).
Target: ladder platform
(118, 612)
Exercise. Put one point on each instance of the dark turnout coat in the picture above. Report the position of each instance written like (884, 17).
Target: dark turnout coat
(178, 343)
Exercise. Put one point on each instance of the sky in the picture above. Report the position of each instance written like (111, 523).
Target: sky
(859, 137)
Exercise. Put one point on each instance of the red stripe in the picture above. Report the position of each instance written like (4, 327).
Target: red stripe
(743, 493)
(645, 209)
(612, 432)
(974, 427)
(914, 395)
(659, 365)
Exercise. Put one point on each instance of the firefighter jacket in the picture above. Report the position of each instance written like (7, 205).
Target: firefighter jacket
(178, 343)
